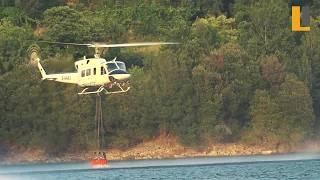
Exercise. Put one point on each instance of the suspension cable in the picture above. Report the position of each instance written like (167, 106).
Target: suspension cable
(99, 128)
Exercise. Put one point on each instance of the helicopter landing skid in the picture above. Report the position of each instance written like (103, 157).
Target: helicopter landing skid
(119, 91)
(85, 91)
(102, 88)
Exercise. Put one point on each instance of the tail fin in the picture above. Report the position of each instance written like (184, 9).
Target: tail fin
(42, 69)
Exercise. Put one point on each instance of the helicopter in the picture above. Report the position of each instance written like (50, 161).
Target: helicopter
(96, 74)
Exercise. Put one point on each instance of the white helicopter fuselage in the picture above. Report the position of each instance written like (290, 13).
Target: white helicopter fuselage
(92, 72)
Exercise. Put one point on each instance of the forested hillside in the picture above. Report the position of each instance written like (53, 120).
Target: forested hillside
(239, 74)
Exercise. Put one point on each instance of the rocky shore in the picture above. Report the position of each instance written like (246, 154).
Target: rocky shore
(161, 148)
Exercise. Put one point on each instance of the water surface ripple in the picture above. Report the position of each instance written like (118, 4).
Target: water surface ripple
(290, 166)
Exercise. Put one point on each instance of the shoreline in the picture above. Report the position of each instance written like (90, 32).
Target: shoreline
(165, 158)
(160, 148)
(177, 158)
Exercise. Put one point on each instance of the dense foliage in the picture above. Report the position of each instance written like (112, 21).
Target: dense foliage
(239, 74)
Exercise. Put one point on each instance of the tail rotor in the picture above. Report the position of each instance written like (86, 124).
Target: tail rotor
(34, 53)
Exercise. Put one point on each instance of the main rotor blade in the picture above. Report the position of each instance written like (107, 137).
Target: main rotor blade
(96, 45)
(131, 44)
(64, 43)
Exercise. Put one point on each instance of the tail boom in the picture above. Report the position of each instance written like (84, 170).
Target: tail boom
(71, 77)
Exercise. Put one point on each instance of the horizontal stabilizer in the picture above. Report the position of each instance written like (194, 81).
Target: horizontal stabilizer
(49, 79)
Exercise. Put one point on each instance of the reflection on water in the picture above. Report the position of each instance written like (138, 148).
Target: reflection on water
(37, 168)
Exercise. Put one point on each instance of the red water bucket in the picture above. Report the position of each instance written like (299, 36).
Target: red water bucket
(98, 162)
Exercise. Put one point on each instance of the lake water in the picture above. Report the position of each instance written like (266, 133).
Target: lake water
(290, 166)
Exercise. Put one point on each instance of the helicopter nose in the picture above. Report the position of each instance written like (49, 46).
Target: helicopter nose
(120, 75)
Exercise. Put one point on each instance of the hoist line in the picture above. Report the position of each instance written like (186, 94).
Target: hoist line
(99, 130)
(102, 124)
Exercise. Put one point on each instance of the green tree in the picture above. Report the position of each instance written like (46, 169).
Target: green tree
(222, 83)
(266, 30)
(15, 16)
(65, 24)
(315, 6)
(13, 45)
(283, 117)
(309, 64)
(241, 10)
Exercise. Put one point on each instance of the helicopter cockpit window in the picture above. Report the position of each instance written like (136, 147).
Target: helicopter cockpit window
(122, 66)
(113, 66)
